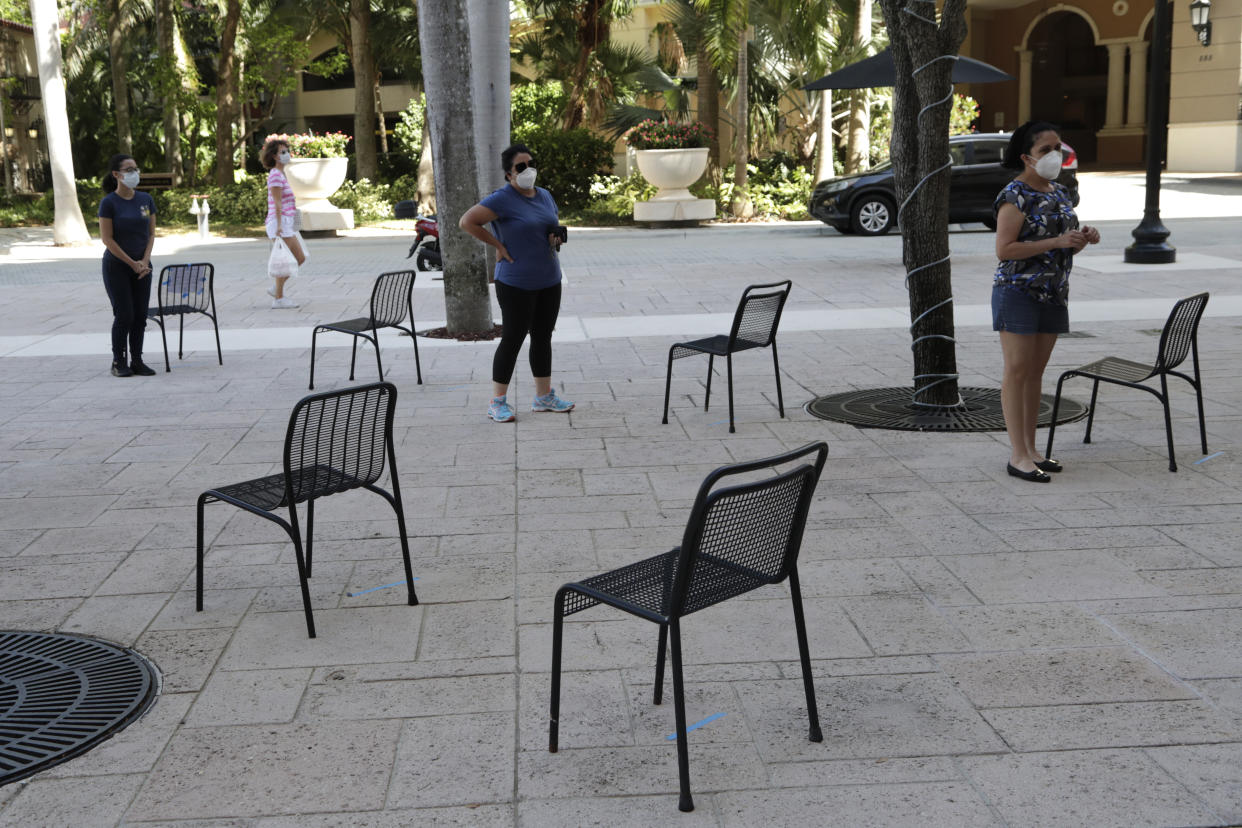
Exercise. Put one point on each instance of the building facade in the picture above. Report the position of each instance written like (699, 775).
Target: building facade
(22, 136)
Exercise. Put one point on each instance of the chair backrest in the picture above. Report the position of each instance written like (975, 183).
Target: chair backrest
(390, 301)
(750, 533)
(1180, 332)
(337, 440)
(758, 315)
(186, 287)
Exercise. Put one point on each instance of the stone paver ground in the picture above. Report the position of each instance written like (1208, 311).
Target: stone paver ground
(986, 651)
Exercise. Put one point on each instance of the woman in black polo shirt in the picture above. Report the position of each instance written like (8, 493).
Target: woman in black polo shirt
(127, 229)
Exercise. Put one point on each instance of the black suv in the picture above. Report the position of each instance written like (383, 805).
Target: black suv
(866, 202)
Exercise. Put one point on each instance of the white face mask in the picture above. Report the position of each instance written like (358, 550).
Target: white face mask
(284, 157)
(130, 179)
(1049, 167)
(526, 178)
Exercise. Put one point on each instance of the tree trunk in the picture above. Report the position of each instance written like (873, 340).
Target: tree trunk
(489, 94)
(920, 146)
(426, 176)
(381, 124)
(742, 206)
(444, 33)
(365, 163)
(226, 94)
(708, 100)
(120, 86)
(166, 36)
(593, 29)
(68, 227)
(858, 151)
(824, 168)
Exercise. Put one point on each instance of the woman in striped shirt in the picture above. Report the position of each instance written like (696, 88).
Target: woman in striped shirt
(281, 211)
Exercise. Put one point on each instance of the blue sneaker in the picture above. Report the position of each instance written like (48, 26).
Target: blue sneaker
(500, 410)
(551, 402)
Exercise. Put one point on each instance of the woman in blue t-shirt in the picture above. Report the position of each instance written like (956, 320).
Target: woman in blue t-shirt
(127, 229)
(528, 278)
(1037, 235)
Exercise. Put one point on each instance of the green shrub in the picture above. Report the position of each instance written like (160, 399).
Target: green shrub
(370, 202)
(779, 187)
(568, 161)
(535, 106)
(405, 187)
(408, 132)
(244, 202)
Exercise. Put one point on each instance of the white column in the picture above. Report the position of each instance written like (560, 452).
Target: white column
(1024, 85)
(1137, 114)
(1115, 106)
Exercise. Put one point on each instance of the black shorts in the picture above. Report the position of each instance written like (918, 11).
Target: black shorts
(1016, 312)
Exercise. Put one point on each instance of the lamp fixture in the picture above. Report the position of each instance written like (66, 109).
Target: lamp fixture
(8, 132)
(33, 133)
(1199, 13)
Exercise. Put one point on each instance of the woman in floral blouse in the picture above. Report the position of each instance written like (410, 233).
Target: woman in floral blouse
(1037, 235)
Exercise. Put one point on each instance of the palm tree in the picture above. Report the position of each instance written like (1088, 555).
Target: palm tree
(365, 84)
(227, 93)
(68, 226)
(727, 23)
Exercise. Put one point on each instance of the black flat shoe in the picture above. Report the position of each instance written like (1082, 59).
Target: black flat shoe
(143, 370)
(1049, 465)
(1035, 476)
(120, 369)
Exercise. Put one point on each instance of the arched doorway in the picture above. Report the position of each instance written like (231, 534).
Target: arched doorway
(1069, 79)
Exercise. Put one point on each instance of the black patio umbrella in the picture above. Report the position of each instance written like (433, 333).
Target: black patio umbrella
(878, 70)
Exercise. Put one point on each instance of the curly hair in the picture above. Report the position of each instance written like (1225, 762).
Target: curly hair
(509, 153)
(1022, 140)
(267, 156)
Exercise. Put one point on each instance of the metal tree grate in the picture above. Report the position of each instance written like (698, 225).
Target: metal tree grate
(60, 695)
(891, 408)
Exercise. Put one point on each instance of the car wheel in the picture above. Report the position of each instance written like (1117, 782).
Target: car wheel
(874, 215)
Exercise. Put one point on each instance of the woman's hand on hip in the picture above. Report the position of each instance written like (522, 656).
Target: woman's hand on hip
(503, 253)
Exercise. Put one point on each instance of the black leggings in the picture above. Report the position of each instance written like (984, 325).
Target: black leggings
(525, 312)
(130, 297)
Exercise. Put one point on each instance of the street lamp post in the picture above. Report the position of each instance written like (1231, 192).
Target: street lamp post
(1151, 244)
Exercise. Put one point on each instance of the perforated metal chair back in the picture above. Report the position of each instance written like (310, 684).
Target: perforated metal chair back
(186, 288)
(390, 300)
(1180, 332)
(741, 537)
(336, 440)
(758, 315)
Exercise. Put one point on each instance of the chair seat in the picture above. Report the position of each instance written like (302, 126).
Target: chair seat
(268, 493)
(646, 584)
(717, 345)
(1115, 368)
(362, 323)
(173, 310)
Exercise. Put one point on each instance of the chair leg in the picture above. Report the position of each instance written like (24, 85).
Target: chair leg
(378, 363)
(1095, 392)
(198, 581)
(804, 652)
(558, 623)
(668, 384)
(1168, 420)
(661, 651)
(353, 358)
(164, 339)
(1052, 425)
(395, 502)
(685, 803)
(219, 353)
(1202, 424)
(418, 368)
(707, 397)
(314, 338)
(181, 336)
(295, 534)
(729, 360)
(776, 364)
(310, 532)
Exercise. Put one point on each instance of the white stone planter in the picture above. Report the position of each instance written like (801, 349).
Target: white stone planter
(673, 171)
(313, 181)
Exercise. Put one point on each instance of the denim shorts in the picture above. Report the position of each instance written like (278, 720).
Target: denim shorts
(1016, 312)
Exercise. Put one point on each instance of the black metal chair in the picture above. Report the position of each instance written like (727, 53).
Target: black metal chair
(391, 303)
(754, 326)
(185, 288)
(1179, 337)
(738, 538)
(336, 441)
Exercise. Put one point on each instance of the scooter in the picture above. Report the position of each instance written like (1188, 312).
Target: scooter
(426, 247)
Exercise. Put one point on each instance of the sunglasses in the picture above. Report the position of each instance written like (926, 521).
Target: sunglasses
(522, 165)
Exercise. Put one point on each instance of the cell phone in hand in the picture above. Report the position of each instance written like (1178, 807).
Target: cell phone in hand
(561, 232)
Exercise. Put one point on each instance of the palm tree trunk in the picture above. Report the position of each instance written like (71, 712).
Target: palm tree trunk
(708, 101)
(824, 168)
(444, 34)
(741, 206)
(366, 165)
(120, 87)
(166, 36)
(489, 93)
(68, 226)
(226, 94)
(858, 151)
(381, 127)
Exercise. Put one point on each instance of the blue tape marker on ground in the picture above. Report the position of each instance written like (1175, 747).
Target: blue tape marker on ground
(373, 589)
(673, 736)
(1209, 457)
